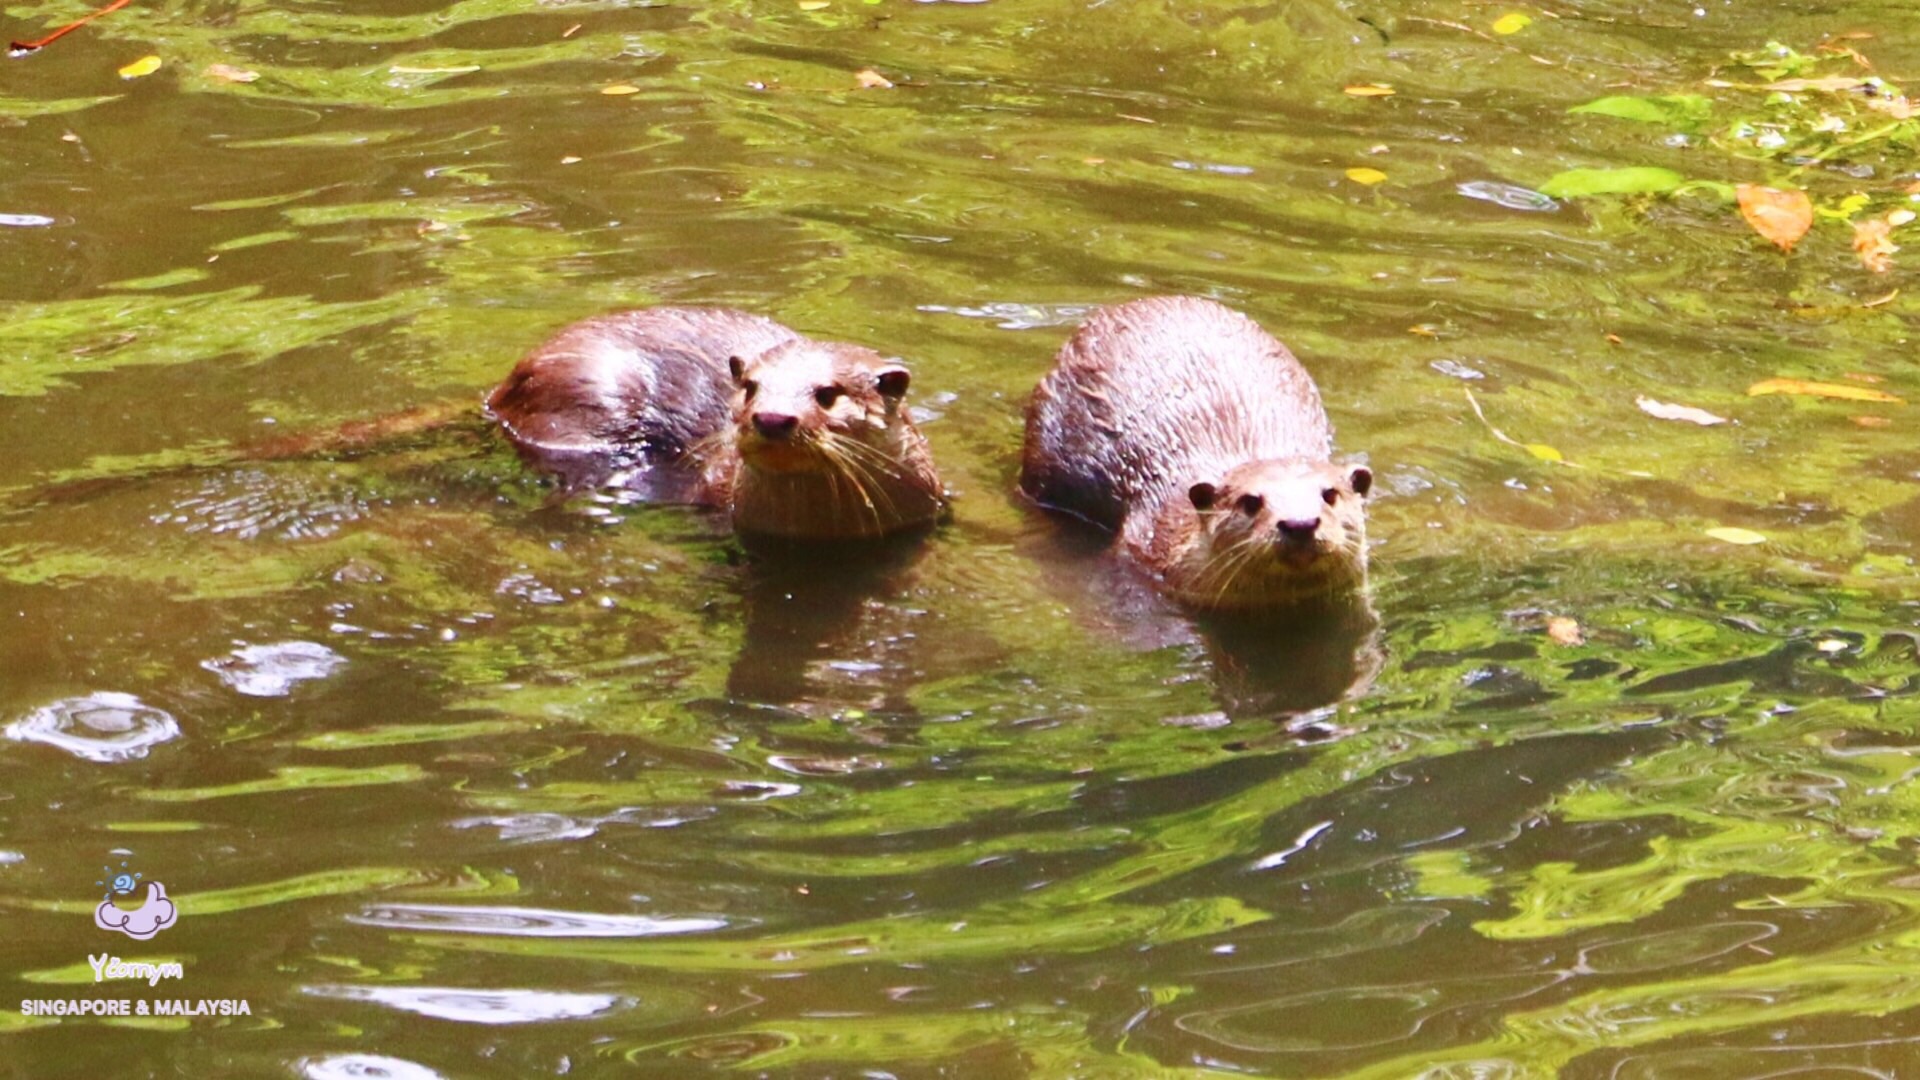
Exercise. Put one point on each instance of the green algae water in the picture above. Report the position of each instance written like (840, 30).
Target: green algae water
(446, 782)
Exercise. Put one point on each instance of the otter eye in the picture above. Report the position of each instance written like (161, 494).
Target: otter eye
(1250, 504)
(749, 388)
(828, 395)
(1329, 495)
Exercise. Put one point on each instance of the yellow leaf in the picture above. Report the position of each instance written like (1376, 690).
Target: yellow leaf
(618, 89)
(813, 5)
(1819, 389)
(1781, 216)
(146, 65)
(1370, 90)
(1511, 23)
(1544, 452)
(1364, 175)
(1737, 536)
(1846, 208)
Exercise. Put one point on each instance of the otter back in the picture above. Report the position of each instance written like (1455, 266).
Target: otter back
(638, 388)
(1150, 394)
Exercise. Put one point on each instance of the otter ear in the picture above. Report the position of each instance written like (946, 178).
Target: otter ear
(1361, 478)
(736, 367)
(1203, 495)
(892, 380)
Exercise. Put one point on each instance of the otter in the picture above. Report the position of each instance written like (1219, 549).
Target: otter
(792, 437)
(1180, 425)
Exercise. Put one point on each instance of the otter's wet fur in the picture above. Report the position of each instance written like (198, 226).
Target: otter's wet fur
(1182, 426)
(790, 436)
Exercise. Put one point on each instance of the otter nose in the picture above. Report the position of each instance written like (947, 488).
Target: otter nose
(775, 425)
(1300, 530)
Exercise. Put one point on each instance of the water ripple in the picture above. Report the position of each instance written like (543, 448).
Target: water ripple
(363, 1067)
(105, 726)
(530, 922)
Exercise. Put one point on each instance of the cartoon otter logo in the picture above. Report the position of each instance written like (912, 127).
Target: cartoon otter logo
(154, 915)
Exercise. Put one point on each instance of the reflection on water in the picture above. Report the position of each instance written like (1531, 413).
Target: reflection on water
(450, 782)
(476, 1006)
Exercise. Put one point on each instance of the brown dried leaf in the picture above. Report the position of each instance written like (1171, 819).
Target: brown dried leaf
(1897, 107)
(870, 79)
(1873, 243)
(1831, 83)
(1781, 216)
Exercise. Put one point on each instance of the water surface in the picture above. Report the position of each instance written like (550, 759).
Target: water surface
(447, 782)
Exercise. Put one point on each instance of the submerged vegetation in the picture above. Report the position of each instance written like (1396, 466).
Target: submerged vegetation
(445, 779)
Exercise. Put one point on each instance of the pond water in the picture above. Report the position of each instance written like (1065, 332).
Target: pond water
(446, 782)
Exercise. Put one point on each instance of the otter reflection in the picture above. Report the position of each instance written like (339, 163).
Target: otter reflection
(1285, 663)
(1275, 663)
(805, 604)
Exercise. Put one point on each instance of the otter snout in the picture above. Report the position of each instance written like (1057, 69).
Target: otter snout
(1298, 531)
(773, 425)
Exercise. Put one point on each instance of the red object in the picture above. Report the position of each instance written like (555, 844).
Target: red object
(20, 48)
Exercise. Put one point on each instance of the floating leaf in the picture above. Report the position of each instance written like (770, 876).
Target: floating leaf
(1871, 421)
(1829, 83)
(1667, 109)
(1781, 216)
(230, 73)
(1900, 217)
(1512, 23)
(1820, 389)
(1736, 536)
(1687, 413)
(870, 79)
(144, 66)
(1639, 179)
(1363, 175)
(1564, 631)
(1369, 90)
(1873, 243)
(618, 89)
(1544, 452)
(813, 5)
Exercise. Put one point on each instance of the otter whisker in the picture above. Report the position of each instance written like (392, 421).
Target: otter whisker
(867, 469)
(833, 451)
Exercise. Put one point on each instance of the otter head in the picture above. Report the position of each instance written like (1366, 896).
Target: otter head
(1273, 532)
(796, 405)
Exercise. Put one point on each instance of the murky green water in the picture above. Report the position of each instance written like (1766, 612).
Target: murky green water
(497, 790)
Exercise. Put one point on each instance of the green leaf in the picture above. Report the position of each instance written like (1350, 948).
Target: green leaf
(1577, 183)
(1681, 109)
